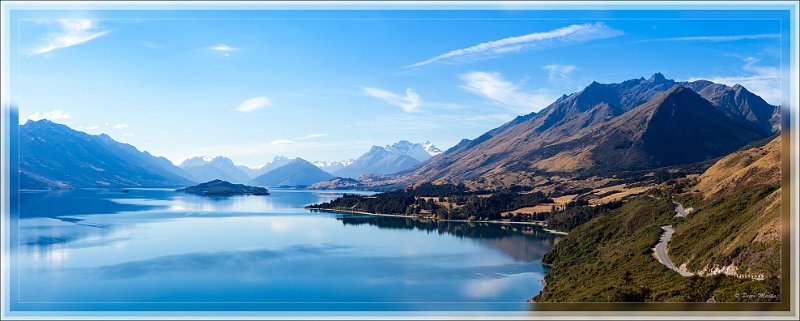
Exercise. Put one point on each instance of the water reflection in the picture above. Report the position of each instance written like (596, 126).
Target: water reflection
(103, 201)
(83, 249)
(52, 255)
(524, 243)
(259, 261)
(81, 201)
(60, 217)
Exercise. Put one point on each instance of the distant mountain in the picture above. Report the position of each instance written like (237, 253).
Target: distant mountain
(205, 169)
(297, 173)
(378, 160)
(166, 164)
(55, 156)
(394, 158)
(367, 182)
(571, 135)
(420, 152)
(334, 166)
(431, 149)
(276, 162)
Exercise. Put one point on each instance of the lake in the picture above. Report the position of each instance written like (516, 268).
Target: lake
(161, 250)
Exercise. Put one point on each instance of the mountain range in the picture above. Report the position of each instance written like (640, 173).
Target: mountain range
(297, 173)
(602, 130)
(379, 160)
(332, 167)
(606, 128)
(54, 156)
(390, 159)
(277, 161)
(205, 169)
(280, 172)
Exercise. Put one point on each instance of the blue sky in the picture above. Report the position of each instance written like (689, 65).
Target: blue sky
(327, 85)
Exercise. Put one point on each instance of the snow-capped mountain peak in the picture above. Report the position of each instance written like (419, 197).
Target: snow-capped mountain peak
(431, 149)
(332, 166)
(420, 152)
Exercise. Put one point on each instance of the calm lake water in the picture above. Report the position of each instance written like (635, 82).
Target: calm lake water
(156, 249)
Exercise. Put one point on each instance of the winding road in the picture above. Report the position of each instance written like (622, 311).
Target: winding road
(660, 250)
(680, 211)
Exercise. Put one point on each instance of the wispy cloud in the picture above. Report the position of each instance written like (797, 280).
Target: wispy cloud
(494, 87)
(55, 114)
(408, 103)
(253, 104)
(121, 126)
(280, 142)
(572, 34)
(73, 32)
(223, 48)
(761, 80)
(558, 72)
(316, 135)
(717, 38)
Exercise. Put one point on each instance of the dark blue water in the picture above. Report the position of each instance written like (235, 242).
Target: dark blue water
(149, 249)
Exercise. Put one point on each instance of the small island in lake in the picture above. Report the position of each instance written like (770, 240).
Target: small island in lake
(219, 187)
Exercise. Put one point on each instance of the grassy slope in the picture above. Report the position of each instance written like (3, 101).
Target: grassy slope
(591, 263)
(609, 258)
(738, 218)
(725, 232)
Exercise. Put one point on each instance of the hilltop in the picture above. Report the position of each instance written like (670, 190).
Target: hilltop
(222, 188)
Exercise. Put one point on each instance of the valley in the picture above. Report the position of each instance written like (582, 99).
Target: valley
(402, 159)
(663, 190)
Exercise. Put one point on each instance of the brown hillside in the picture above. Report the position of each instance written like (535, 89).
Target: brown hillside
(750, 168)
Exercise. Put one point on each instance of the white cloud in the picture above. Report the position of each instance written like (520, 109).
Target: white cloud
(718, 38)
(280, 142)
(223, 48)
(253, 104)
(316, 135)
(567, 35)
(127, 135)
(494, 87)
(54, 114)
(121, 126)
(558, 72)
(408, 103)
(73, 32)
(761, 80)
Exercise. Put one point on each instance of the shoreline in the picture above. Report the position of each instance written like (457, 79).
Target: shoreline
(539, 223)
